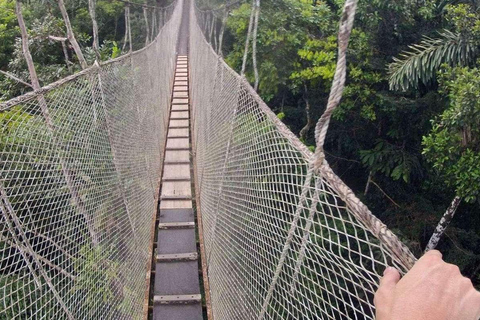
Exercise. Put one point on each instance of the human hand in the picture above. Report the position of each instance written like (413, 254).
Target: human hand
(431, 290)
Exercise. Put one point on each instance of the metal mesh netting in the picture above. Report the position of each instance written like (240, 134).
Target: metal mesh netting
(271, 253)
(79, 172)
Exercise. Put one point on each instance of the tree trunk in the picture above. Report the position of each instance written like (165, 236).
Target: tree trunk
(125, 37)
(222, 31)
(147, 29)
(93, 16)
(70, 181)
(11, 76)
(65, 55)
(443, 224)
(153, 35)
(71, 35)
(247, 40)
(367, 185)
(254, 44)
(310, 123)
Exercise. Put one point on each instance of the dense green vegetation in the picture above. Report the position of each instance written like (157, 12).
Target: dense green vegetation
(45, 24)
(405, 137)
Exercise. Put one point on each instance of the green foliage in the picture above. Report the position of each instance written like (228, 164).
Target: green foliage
(390, 160)
(288, 54)
(453, 145)
(19, 291)
(421, 61)
(8, 30)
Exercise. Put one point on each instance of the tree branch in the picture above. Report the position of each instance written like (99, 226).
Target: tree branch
(11, 76)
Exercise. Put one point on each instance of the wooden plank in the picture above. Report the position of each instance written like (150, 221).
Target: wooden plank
(178, 299)
(180, 88)
(176, 188)
(182, 94)
(176, 115)
(178, 143)
(180, 107)
(179, 101)
(178, 311)
(176, 204)
(180, 69)
(181, 83)
(173, 156)
(178, 132)
(181, 74)
(178, 123)
(176, 171)
(176, 225)
(175, 257)
(181, 78)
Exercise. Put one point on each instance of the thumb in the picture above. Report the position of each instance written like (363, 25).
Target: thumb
(384, 296)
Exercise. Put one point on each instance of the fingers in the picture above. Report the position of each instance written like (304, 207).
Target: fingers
(390, 278)
(428, 260)
(433, 253)
(384, 296)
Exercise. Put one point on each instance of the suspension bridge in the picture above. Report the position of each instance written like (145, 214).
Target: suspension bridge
(159, 184)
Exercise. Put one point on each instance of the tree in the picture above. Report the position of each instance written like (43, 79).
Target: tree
(453, 145)
(420, 63)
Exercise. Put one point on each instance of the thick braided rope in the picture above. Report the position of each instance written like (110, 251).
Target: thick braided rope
(346, 25)
(361, 212)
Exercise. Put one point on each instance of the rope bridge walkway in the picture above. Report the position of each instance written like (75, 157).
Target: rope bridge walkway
(82, 164)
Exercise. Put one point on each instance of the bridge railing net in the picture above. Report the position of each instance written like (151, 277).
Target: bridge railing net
(79, 171)
(251, 171)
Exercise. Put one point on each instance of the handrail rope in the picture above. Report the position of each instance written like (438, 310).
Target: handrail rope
(338, 84)
(398, 249)
(320, 165)
(359, 210)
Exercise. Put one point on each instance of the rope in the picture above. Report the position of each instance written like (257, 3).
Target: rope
(346, 25)
(284, 242)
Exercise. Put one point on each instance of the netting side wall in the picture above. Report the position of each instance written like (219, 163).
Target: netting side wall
(270, 253)
(79, 171)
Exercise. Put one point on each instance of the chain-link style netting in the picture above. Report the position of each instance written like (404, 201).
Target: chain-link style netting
(79, 171)
(281, 241)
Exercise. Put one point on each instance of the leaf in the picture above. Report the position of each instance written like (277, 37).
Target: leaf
(421, 62)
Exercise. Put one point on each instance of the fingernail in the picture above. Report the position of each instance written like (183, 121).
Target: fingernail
(388, 270)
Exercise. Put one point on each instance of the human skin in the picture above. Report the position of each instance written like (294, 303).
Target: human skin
(431, 290)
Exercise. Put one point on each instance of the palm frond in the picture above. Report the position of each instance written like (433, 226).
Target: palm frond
(421, 61)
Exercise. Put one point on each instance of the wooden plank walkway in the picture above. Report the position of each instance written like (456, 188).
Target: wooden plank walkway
(177, 289)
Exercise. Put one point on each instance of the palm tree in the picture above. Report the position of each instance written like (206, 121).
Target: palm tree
(420, 63)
